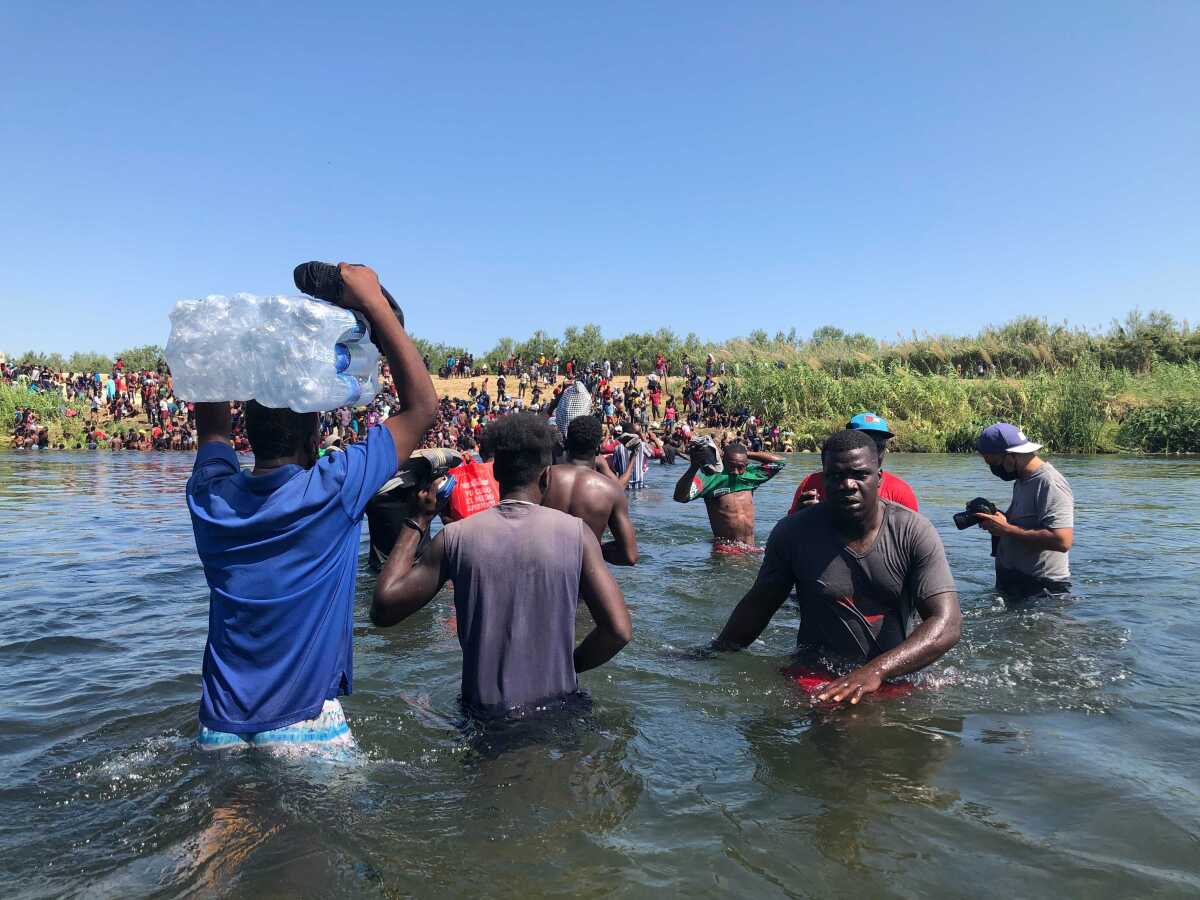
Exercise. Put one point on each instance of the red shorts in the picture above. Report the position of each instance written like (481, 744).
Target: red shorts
(721, 545)
(811, 679)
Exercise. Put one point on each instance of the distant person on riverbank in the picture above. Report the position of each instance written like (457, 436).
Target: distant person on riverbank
(280, 549)
(812, 489)
(1030, 539)
(870, 575)
(729, 494)
(519, 570)
(577, 488)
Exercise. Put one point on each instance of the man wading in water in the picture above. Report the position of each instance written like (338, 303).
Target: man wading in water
(577, 489)
(729, 495)
(871, 578)
(280, 549)
(519, 570)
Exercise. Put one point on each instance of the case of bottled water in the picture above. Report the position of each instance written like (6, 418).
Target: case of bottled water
(281, 351)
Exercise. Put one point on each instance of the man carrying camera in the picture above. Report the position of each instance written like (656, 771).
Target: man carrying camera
(1031, 538)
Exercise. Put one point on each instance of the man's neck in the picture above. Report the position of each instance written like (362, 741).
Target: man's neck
(1031, 467)
(857, 529)
(528, 493)
(267, 466)
(584, 462)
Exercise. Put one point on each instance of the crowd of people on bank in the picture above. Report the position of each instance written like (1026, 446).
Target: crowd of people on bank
(115, 402)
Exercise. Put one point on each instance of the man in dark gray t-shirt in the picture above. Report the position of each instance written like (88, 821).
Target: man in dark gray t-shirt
(871, 577)
(519, 570)
(857, 603)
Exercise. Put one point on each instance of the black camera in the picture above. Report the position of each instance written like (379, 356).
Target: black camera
(970, 516)
(422, 469)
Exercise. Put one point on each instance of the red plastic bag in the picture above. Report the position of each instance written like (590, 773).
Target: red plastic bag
(476, 490)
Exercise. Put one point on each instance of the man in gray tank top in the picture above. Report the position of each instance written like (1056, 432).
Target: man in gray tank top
(519, 570)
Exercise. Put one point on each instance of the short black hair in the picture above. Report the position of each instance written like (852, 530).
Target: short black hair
(737, 447)
(848, 439)
(521, 445)
(583, 436)
(274, 433)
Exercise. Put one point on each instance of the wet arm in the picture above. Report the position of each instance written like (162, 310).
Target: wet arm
(940, 629)
(627, 475)
(622, 549)
(752, 615)
(607, 605)
(403, 587)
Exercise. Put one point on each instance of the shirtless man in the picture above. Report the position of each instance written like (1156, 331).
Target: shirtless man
(577, 487)
(729, 495)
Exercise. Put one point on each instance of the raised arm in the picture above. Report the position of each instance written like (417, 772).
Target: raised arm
(940, 629)
(607, 605)
(683, 487)
(405, 586)
(763, 457)
(414, 387)
(622, 550)
(212, 423)
(625, 477)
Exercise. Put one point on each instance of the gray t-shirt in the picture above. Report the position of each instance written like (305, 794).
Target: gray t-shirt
(1043, 500)
(516, 570)
(858, 605)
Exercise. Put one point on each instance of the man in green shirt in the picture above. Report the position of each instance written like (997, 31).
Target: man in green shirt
(729, 495)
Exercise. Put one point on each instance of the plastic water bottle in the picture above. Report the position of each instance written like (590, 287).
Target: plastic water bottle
(281, 351)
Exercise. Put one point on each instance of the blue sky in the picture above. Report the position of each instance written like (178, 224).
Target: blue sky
(709, 167)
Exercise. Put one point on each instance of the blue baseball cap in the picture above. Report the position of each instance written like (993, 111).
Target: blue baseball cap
(1005, 438)
(869, 422)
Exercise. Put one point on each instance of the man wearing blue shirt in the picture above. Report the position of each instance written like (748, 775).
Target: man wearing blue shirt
(279, 545)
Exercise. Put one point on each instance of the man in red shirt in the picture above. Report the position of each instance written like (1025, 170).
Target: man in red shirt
(812, 489)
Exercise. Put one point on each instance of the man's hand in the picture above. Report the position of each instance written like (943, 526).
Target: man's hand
(425, 502)
(852, 687)
(362, 287)
(807, 499)
(995, 524)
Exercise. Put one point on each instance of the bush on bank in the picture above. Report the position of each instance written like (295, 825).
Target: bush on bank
(1085, 409)
(51, 410)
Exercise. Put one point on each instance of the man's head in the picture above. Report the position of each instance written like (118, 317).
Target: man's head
(583, 437)
(850, 462)
(281, 434)
(736, 458)
(874, 425)
(522, 448)
(1006, 450)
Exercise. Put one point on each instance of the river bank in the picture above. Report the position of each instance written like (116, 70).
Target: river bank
(1082, 410)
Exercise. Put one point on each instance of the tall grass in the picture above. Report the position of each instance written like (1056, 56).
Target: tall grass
(50, 408)
(1077, 410)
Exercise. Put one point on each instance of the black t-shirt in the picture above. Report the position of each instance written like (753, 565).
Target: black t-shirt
(858, 605)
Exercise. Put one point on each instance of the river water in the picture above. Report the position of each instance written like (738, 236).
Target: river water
(1052, 753)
